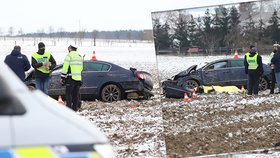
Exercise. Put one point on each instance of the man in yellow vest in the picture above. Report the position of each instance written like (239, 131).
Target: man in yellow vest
(273, 79)
(71, 76)
(254, 69)
(42, 62)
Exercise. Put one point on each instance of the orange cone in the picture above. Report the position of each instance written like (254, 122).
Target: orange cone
(235, 55)
(243, 90)
(186, 98)
(93, 56)
(194, 95)
(60, 101)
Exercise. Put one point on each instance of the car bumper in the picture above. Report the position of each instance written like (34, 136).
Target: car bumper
(137, 87)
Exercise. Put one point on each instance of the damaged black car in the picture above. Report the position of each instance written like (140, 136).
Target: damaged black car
(103, 80)
(222, 72)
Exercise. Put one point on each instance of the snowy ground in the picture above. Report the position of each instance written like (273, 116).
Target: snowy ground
(134, 128)
(161, 127)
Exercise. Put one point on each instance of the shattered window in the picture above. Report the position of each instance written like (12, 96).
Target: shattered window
(218, 65)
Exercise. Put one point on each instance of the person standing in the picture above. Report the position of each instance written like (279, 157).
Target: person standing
(276, 62)
(71, 76)
(18, 62)
(273, 79)
(42, 62)
(254, 69)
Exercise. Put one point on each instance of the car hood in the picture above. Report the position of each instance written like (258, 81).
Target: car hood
(185, 72)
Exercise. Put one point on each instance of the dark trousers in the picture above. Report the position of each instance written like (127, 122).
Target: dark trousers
(72, 94)
(273, 81)
(253, 83)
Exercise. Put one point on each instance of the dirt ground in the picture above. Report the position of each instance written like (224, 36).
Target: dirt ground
(221, 123)
(210, 124)
(134, 127)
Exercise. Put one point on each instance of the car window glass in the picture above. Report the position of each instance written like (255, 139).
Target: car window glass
(96, 66)
(218, 65)
(236, 63)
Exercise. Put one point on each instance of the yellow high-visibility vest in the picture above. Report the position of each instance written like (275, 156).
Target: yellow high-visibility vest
(42, 58)
(252, 61)
(75, 62)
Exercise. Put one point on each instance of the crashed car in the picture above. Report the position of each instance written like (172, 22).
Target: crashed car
(34, 125)
(222, 72)
(103, 80)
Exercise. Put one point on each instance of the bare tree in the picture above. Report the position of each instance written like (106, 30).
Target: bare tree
(1, 32)
(128, 35)
(51, 30)
(61, 32)
(20, 33)
(94, 36)
(41, 33)
(81, 35)
(11, 30)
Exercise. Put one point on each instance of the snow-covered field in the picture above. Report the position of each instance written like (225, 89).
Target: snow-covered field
(134, 128)
(162, 127)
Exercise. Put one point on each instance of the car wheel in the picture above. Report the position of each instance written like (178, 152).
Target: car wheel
(31, 87)
(111, 93)
(263, 85)
(190, 84)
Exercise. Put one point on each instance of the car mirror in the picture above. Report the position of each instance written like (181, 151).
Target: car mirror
(9, 105)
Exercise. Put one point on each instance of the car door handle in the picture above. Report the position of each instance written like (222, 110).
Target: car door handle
(100, 75)
(226, 71)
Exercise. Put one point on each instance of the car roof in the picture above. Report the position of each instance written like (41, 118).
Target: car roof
(44, 122)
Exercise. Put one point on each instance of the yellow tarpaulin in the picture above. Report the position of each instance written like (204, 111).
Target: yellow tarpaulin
(221, 89)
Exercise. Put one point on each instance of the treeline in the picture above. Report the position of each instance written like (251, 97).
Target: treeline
(228, 28)
(119, 35)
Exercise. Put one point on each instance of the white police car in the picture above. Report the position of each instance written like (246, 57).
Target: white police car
(32, 126)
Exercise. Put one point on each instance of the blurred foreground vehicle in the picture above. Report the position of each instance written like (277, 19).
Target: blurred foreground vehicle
(34, 126)
(105, 81)
(222, 72)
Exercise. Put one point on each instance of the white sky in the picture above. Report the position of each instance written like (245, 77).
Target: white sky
(72, 15)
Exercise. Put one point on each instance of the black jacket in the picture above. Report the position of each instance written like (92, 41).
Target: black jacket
(276, 61)
(35, 65)
(18, 63)
(259, 70)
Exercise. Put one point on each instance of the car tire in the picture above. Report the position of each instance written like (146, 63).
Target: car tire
(263, 84)
(110, 93)
(31, 87)
(190, 84)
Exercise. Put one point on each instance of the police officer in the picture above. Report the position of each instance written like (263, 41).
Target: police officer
(254, 69)
(71, 76)
(273, 79)
(42, 62)
(276, 62)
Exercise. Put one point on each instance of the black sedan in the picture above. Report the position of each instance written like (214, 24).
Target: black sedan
(105, 81)
(222, 72)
